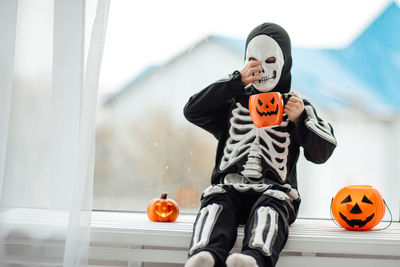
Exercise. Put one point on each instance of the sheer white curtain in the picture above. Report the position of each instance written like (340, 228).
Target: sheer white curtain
(49, 73)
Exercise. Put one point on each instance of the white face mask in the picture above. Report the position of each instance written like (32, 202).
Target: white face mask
(264, 49)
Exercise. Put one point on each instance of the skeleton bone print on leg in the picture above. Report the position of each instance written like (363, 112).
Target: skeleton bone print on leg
(266, 221)
(244, 140)
(204, 226)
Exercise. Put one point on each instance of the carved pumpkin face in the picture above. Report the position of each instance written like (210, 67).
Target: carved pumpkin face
(162, 209)
(266, 109)
(358, 207)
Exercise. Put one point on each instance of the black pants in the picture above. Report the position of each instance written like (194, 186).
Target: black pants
(266, 210)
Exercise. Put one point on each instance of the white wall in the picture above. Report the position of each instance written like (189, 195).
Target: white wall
(173, 84)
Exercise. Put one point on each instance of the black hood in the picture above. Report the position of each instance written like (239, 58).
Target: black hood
(282, 38)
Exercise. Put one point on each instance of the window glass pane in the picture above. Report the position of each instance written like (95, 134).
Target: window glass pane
(347, 68)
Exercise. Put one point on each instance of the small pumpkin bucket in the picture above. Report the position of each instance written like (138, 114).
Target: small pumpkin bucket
(266, 109)
(358, 207)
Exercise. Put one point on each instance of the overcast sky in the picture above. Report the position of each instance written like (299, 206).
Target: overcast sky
(141, 33)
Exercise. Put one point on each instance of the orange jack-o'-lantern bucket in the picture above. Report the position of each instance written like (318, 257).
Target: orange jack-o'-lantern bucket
(358, 207)
(266, 109)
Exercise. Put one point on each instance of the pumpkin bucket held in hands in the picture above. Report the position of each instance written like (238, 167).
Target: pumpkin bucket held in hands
(358, 207)
(266, 109)
(162, 209)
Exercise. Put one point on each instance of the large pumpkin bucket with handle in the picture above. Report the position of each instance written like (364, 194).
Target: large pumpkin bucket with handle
(358, 207)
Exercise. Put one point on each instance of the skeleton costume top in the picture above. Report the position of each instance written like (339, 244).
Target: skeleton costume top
(247, 154)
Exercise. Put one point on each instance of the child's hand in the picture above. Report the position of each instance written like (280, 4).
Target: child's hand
(250, 72)
(294, 108)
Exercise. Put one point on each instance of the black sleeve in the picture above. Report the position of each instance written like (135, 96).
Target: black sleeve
(208, 108)
(315, 135)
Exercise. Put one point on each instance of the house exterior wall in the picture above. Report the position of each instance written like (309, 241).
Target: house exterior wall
(149, 117)
(171, 86)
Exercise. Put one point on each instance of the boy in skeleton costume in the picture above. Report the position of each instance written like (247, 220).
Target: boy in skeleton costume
(254, 179)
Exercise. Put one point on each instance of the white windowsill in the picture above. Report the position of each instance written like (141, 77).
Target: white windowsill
(131, 237)
(307, 237)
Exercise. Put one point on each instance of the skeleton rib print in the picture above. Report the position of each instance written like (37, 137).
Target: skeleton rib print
(257, 144)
